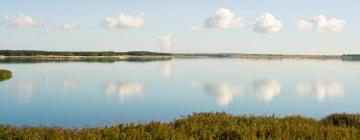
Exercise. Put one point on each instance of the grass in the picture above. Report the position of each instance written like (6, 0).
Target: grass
(205, 126)
(5, 75)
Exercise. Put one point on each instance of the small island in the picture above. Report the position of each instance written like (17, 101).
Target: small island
(5, 75)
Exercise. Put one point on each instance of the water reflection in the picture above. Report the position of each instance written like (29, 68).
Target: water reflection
(266, 90)
(196, 84)
(224, 93)
(24, 90)
(321, 89)
(125, 91)
(165, 69)
(70, 84)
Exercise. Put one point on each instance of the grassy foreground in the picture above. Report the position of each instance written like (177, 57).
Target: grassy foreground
(205, 126)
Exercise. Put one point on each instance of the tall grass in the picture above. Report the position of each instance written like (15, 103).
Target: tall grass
(205, 126)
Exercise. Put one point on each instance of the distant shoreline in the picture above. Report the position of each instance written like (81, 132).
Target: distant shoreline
(13, 55)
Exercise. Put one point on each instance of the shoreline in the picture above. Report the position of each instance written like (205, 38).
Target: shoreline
(180, 56)
(109, 56)
(213, 125)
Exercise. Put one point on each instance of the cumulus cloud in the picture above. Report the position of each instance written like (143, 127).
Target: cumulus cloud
(321, 89)
(165, 42)
(125, 91)
(70, 26)
(224, 93)
(266, 90)
(321, 24)
(224, 18)
(195, 28)
(267, 23)
(24, 21)
(123, 21)
(65, 27)
(165, 69)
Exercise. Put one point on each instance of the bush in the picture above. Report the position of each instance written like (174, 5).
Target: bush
(5, 75)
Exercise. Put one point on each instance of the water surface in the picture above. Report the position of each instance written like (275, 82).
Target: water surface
(78, 94)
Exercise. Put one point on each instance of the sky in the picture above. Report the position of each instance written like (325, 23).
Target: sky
(186, 26)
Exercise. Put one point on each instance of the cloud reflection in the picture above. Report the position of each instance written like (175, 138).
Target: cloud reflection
(165, 69)
(24, 90)
(224, 92)
(125, 91)
(69, 84)
(266, 90)
(321, 89)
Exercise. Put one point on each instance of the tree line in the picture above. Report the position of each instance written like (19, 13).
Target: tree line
(65, 53)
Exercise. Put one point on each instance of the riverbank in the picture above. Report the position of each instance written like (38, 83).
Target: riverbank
(206, 126)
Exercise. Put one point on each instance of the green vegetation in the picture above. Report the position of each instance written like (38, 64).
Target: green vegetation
(5, 75)
(206, 126)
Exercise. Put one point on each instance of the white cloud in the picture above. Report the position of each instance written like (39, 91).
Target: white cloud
(266, 90)
(224, 18)
(195, 28)
(322, 24)
(165, 42)
(70, 26)
(224, 92)
(24, 21)
(123, 21)
(65, 26)
(267, 23)
(321, 89)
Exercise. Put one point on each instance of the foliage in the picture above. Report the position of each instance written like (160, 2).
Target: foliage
(205, 126)
(5, 75)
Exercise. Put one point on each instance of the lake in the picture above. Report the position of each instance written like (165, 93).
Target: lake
(80, 94)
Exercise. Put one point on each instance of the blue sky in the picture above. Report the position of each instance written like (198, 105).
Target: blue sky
(167, 26)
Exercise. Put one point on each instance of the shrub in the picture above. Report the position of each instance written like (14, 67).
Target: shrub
(5, 75)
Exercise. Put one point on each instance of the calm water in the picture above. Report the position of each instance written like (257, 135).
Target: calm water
(97, 94)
